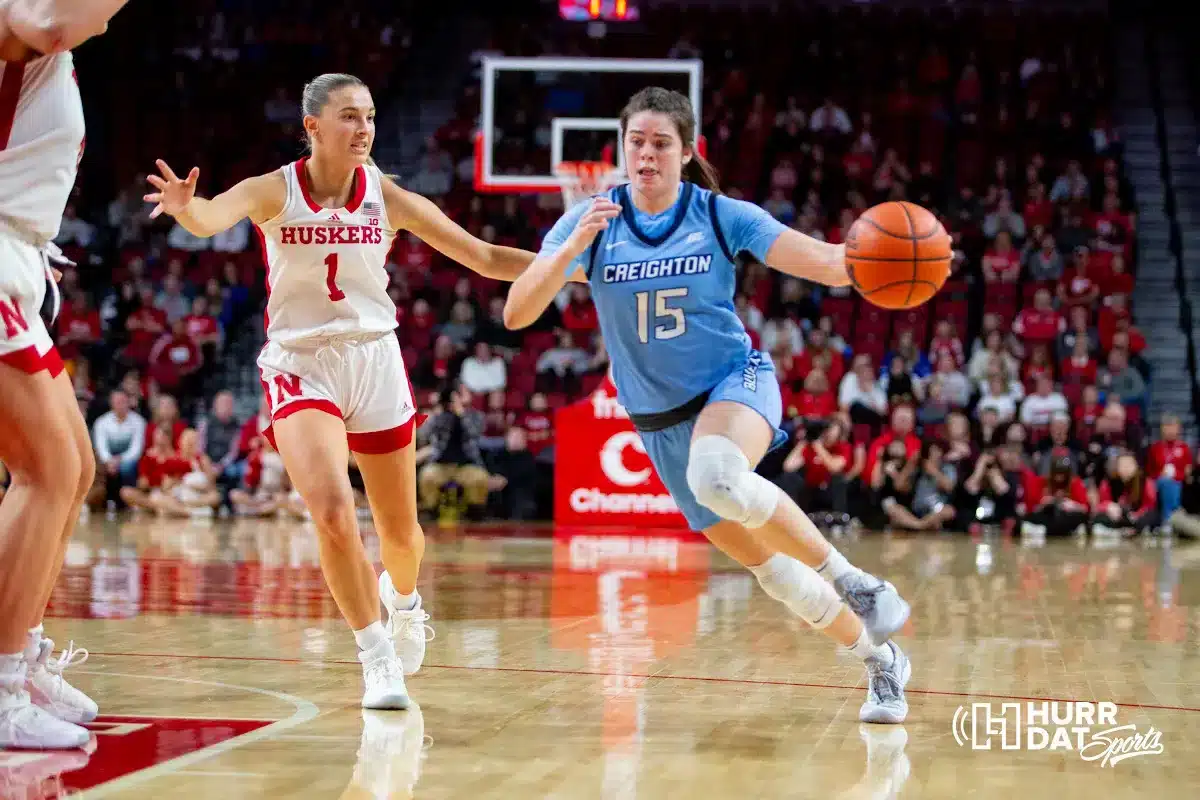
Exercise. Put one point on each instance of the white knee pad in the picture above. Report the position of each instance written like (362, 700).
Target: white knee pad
(801, 589)
(719, 475)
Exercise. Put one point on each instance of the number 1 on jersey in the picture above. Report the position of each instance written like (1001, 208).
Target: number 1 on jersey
(331, 266)
(661, 309)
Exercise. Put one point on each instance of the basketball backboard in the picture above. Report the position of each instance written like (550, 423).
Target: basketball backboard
(538, 112)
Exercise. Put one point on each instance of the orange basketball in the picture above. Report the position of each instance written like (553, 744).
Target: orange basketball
(898, 255)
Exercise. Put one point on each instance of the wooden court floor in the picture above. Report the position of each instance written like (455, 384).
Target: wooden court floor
(610, 666)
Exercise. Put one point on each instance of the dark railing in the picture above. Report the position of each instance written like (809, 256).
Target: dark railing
(1170, 205)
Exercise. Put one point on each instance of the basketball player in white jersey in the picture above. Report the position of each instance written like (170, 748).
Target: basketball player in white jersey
(331, 368)
(43, 439)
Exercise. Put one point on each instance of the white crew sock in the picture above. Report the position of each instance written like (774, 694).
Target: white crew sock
(33, 643)
(835, 565)
(872, 652)
(371, 636)
(405, 602)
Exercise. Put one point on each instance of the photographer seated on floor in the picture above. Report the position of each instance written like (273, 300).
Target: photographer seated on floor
(815, 472)
(993, 489)
(916, 493)
(1063, 504)
(1127, 502)
(452, 455)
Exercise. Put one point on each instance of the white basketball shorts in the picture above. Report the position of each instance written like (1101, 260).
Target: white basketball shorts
(361, 381)
(24, 341)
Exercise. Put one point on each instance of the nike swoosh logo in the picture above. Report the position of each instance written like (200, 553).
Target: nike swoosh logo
(615, 244)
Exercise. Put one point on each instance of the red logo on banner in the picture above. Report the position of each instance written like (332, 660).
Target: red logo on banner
(602, 475)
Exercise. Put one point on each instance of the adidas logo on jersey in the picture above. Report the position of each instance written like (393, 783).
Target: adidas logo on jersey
(334, 218)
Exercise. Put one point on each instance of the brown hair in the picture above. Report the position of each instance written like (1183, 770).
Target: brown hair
(316, 97)
(679, 108)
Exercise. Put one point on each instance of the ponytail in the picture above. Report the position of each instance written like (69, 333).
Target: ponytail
(702, 173)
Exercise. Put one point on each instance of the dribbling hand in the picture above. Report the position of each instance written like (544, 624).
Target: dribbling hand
(594, 220)
(173, 194)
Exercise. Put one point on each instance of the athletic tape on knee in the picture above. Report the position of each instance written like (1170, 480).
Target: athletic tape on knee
(719, 475)
(801, 589)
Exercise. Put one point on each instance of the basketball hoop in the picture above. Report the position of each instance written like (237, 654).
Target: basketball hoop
(580, 180)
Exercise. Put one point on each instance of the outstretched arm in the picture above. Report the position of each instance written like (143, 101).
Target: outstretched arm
(570, 237)
(413, 212)
(802, 256)
(749, 228)
(54, 26)
(260, 198)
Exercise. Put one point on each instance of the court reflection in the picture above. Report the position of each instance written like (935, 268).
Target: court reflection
(390, 756)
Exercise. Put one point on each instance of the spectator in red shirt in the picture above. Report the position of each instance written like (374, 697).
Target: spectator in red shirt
(1128, 502)
(1038, 365)
(166, 415)
(1038, 208)
(818, 354)
(158, 464)
(1168, 464)
(1118, 280)
(1057, 504)
(901, 429)
(203, 328)
(814, 472)
(945, 342)
(145, 326)
(175, 361)
(1078, 371)
(1077, 288)
(1002, 262)
(1113, 228)
(78, 328)
(1087, 412)
(538, 420)
(419, 326)
(579, 315)
(1040, 324)
(817, 400)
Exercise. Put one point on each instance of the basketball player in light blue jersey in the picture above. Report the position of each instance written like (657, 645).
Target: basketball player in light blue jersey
(660, 255)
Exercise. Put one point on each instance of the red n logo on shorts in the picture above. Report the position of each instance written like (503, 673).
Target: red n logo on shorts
(13, 319)
(286, 386)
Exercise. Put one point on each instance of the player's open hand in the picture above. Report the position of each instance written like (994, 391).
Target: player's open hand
(594, 220)
(173, 194)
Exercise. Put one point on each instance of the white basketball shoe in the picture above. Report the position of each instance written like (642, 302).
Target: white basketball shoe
(383, 678)
(406, 626)
(885, 701)
(26, 726)
(48, 688)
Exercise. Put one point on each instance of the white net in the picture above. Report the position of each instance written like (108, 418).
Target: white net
(583, 179)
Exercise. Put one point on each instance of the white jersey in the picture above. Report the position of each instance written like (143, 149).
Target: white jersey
(325, 266)
(41, 142)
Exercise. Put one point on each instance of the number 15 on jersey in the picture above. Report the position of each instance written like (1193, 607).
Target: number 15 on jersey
(675, 325)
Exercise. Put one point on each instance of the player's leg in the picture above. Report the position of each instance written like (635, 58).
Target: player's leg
(37, 448)
(45, 683)
(390, 479)
(729, 439)
(382, 433)
(306, 390)
(312, 444)
(797, 586)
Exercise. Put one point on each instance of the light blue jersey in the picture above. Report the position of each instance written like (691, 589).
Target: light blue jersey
(663, 285)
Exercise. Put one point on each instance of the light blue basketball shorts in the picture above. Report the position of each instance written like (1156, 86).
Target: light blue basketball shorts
(753, 385)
